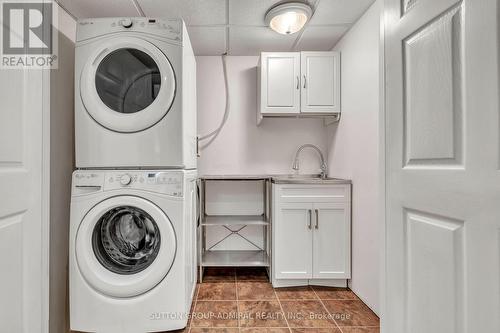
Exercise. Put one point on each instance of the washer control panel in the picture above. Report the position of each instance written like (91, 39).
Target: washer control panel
(162, 182)
(165, 182)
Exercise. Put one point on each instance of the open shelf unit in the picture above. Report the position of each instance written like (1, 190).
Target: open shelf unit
(233, 213)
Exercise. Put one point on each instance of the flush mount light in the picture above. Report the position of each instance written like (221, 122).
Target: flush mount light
(288, 18)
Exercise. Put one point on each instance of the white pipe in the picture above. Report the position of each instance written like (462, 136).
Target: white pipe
(213, 134)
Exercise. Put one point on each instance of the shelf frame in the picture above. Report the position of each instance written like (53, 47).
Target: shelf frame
(233, 258)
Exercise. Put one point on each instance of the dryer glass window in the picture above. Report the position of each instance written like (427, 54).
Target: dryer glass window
(126, 240)
(128, 80)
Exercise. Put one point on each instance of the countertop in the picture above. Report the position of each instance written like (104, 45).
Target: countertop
(280, 179)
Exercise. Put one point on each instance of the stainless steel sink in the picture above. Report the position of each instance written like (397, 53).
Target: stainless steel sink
(307, 179)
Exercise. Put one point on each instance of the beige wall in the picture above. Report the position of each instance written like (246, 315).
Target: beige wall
(61, 167)
(243, 147)
(354, 149)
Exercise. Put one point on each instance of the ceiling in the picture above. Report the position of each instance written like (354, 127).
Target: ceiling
(234, 26)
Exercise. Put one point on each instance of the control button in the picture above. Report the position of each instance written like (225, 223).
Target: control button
(126, 23)
(125, 179)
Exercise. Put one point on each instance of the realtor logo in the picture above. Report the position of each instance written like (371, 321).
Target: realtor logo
(29, 35)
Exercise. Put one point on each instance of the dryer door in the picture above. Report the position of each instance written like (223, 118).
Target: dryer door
(127, 84)
(125, 246)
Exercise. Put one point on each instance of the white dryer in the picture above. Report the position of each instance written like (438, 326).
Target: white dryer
(135, 94)
(132, 250)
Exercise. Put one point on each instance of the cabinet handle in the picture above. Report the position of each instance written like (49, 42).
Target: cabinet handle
(298, 82)
(310, 219)
(317, 219)
(305, 81)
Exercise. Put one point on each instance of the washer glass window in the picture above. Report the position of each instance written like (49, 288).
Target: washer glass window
(126, 240)
(128, 80)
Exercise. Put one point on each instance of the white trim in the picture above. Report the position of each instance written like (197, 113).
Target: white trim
(45, 203)
(382, 164)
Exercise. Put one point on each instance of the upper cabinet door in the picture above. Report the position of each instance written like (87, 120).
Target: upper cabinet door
(280, 82)
(320, 81)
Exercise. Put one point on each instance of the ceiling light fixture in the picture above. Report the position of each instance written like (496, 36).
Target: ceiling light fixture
(288, 18)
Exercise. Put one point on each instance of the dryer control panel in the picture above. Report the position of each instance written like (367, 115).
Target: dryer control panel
(163, 28)
(162, 182)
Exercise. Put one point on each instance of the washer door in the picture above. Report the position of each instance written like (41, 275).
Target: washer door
(127, 84)
(125, 246)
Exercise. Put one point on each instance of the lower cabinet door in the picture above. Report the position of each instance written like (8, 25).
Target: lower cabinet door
(292, 241)
(331, 241)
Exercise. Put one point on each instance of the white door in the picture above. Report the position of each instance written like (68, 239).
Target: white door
(331, 241)
(292, 230)
(320, 77)
(443, 181)
(280, 82)
(23, 229)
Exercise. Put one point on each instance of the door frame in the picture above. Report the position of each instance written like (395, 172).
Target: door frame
(382, 168)
(45, 220)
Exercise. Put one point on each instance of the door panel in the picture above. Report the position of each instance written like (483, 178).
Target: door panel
(280, 86)
(331, 241)
(320, 74)
(434, 248)
(433, 77)
(23, 234)
(293, 241)
(442, 168)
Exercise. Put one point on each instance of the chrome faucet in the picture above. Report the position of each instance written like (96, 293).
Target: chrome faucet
(324, 167)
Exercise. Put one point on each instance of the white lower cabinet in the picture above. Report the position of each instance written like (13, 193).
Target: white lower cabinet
(331, 241)
(293, 239)
(311, 234)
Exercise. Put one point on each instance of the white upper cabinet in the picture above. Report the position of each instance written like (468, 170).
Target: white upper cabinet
(320, 73)
(280, 83)
(299, 83)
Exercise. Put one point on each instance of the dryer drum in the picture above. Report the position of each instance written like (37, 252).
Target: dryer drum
(126, 240)
(128, 80)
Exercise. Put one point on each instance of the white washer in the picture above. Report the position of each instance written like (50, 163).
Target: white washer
(135, 94)
(132, 252)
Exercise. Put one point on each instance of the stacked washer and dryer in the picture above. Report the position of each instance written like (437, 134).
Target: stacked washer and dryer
(133, 210)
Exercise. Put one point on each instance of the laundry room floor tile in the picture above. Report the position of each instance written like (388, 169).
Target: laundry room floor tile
(261, 314)
(251, 274)
(316, 330)
(215, 314)
(265, 330)
(255, 291)
(325, 293)
(296, 293)
(219, 274)
(213, 330)
(351, 313)
(361, 329)
(243, 301)
(214, 291)
(303, 314)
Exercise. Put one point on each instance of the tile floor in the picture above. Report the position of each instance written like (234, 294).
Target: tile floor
(243, 301)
